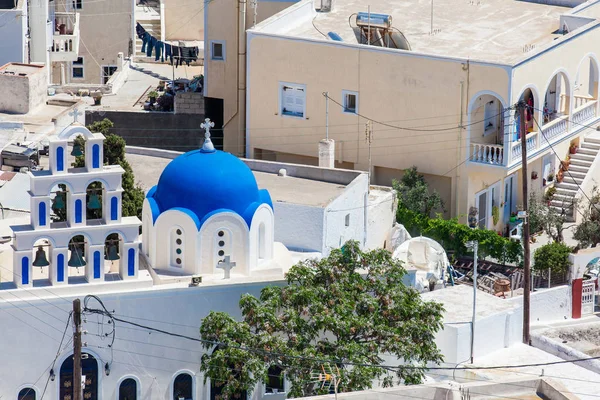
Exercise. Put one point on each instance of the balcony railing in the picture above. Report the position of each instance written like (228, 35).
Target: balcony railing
(551, 132)
(65, 42)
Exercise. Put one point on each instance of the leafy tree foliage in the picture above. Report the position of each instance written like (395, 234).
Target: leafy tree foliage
(587, 233)
(552, 256)
(543, 218)
(350, 308)
(414, 195)
(114, 154)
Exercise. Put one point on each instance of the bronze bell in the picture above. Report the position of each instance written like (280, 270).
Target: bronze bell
(111, 253)
(76, 259)
(40, 258)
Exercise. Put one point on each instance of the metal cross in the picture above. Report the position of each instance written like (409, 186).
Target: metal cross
(226, 265)
(75, 113)
(207, 147)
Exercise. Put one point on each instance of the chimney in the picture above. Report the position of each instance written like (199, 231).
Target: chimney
(327, 153)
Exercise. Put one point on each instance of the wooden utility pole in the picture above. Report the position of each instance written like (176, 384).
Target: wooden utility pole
(77, 391)
(526, 267)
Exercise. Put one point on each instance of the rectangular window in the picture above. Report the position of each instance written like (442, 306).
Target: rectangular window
(292, 99)
(217, 51)
(107, 72)
(350, 101)
(347, 220)
(548, 169)
(77, 68)
(77, 4)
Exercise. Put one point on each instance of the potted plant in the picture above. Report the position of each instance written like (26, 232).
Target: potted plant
(573, 148)
(513, 217)
(550, 177)
(565, 164)
(473, 212)
(549, 195)
(97, 98)
(560, 175)
(534, 175)
(495, 214)
(152, 96)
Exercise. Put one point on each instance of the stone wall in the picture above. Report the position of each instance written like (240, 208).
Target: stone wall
(189, 103)
(161, 130)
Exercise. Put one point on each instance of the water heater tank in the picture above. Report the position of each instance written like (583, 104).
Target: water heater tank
(374, 20)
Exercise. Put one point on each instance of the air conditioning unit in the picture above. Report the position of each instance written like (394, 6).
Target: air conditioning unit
(323, 5)
(373, 20)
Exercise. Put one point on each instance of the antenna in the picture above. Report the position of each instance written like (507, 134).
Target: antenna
(327, 378)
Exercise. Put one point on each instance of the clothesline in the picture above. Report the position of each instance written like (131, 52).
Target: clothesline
(166, 51)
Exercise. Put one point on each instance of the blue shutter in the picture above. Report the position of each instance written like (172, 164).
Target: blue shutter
(60, 153)
(78, 206)
(96, 265)
(114, 208)
(25, 270)
(131, 262)
(95, 156)
(60, 267)
(42, 213)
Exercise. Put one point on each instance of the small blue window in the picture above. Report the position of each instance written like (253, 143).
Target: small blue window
(25, 270)
(95, 156)
(96, 264)
(60, 267)
(60, 155)
(131, 262)
(42, 213)
(78, 216)
(114, 208)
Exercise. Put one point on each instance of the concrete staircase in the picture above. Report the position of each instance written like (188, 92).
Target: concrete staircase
(564, 199)
(149, 18)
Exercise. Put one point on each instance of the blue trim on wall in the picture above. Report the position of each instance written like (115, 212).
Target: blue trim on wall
(60, 155)
(190, 214)
(95, 156)
(60, 268)
(78, 207)
(96, 264)
(25, 270)
(42, 213)
(131, 262)
(114, 208)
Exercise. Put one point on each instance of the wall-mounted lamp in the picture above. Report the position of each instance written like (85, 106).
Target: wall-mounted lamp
(52, 375)
(107, 369)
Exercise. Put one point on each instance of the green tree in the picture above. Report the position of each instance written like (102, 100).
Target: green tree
(552, 256)
(114, 154)
(543, 218)
(415, 196)
(587, 233)
(350, 308)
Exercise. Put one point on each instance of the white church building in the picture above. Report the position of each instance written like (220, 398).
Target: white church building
(213, 228)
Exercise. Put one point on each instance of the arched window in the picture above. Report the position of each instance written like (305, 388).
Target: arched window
(95, 156)
(27, 393)
(183, 387)
(60, 155)
(89, 368)
(97, 265)
(114, 208)
(25, 270)
(78, 211)
(131, 262)
(176, 251)
(275, 380)
(42, 213)
(60, 267)
(216, 387)
(128, 389)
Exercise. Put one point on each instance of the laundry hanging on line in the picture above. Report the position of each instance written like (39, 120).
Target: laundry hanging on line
(175, 55)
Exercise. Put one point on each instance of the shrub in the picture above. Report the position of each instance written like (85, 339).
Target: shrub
(552, 256)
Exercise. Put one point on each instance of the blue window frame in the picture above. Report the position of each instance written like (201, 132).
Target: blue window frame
(95, 156)
(96, 264)
(114, 208)
(131, 262)
(78, 211)
(60, 155)
(25, 270)
(42, 213)
(60, 268)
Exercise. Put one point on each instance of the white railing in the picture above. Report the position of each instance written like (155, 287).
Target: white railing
(66, 23)
(579, 101)
(487, 153)
(554, 128)
(584, 113)
(65, 42)
(531, 141)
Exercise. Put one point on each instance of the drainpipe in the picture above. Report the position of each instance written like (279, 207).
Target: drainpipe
(241, 80)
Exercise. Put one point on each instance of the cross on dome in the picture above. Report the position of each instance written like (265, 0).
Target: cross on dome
(207, 147)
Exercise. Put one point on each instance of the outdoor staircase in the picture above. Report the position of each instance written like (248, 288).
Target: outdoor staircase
(564, 199)
(149, 17)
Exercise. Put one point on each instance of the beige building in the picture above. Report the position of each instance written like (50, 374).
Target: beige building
(226, 22)
(439, 90)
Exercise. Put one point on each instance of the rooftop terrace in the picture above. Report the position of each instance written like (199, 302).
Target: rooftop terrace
(487, 30)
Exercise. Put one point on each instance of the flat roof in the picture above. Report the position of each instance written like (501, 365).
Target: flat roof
(486, 30)
(18, 69)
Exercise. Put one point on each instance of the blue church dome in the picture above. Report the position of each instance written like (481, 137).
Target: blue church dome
(206, 183)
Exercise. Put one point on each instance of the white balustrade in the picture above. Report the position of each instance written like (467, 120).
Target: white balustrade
(579, 101)
(487, 153)
(584, 113)
(531, 141)
(554, 129)
(65, 41)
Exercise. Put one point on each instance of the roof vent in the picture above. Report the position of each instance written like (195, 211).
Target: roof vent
(323, 5)
(282, 172)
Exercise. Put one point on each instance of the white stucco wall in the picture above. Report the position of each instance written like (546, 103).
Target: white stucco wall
(299, 227)
(13, 26)
(548, 304)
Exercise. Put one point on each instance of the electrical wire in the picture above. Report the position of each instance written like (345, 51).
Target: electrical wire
(315, 26)
(57, 354)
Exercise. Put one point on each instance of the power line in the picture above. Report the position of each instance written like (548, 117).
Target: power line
(57, 354)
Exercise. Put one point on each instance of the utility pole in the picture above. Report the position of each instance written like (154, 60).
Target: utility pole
(77, 391)
(526, 267)
(473, 245)
(369, 139)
